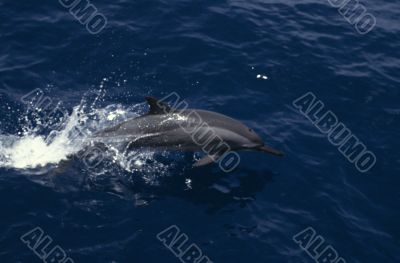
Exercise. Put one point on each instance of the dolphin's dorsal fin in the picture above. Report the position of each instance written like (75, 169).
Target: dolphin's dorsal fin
(157, 107)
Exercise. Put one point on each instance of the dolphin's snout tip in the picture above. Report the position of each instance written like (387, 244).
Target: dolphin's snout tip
(271, 151)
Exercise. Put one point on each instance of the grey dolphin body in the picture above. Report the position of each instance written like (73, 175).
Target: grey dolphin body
(187, 130)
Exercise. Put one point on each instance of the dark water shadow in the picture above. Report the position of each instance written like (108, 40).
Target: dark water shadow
(205, 186)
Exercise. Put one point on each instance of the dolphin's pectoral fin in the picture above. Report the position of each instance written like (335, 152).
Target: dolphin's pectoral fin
(157, 107)
(206, 160)
(270, 150)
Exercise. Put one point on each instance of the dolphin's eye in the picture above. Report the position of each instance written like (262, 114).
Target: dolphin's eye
(250, 130)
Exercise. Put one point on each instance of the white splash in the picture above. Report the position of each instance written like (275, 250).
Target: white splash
(112, 115)
(40, 147)
(259, 76)
(32, 150)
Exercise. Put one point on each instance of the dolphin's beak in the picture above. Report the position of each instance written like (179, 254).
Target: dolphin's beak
(270, 150)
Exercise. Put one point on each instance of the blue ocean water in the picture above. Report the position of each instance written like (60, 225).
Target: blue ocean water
(213, 54)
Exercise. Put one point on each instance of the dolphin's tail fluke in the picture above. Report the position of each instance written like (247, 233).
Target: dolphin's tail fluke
(270, 150)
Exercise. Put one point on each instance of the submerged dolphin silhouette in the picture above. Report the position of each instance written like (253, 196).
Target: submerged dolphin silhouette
(164, 127)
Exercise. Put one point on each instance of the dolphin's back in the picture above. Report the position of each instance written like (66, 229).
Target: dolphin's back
(171, 130)
(142, 125)
(214, 119)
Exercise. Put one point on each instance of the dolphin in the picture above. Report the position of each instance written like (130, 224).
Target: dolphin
(167, 128)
